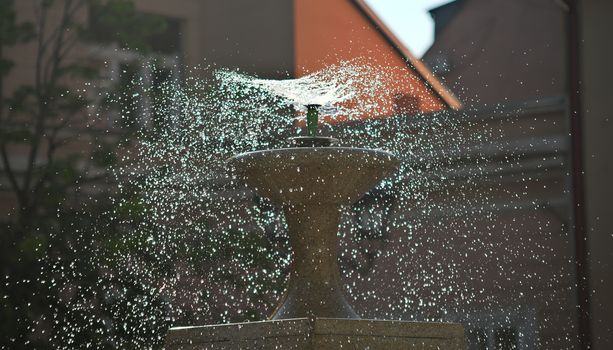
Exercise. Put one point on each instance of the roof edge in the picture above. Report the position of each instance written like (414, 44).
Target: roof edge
(416, 64)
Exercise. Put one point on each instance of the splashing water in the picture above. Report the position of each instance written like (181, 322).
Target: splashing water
(324, 88)
(203, 250)
(349, 89)
(190, 199)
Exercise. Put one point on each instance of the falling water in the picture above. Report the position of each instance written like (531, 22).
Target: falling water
(204, 250)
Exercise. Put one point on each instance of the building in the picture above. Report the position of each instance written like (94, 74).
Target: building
(528, 55)
(483, 52)
(505, 61)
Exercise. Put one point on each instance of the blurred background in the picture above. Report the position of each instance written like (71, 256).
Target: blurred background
(535, 72)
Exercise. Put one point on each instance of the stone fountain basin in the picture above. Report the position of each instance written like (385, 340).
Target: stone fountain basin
(333, 175)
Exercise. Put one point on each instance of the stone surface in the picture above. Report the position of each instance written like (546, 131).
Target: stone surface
(320, 334)
(312, 184)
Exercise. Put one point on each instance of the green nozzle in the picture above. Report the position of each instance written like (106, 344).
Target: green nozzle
(312, 119)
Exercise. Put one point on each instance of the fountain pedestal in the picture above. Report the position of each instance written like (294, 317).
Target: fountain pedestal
(312, 185)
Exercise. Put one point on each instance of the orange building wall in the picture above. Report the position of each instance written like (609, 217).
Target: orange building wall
(330, 31)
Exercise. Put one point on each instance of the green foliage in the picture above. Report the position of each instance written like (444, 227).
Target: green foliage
(80, 258)
(104, 156)
(60, 242)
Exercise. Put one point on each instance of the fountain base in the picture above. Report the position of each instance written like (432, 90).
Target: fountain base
(321, 334)
(312, 183)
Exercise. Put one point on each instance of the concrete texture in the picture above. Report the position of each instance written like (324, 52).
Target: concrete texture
(312, 184)
(320, 334)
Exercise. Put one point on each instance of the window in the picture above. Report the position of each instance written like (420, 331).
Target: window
(161, 34)
(137, 80)
(136, 77)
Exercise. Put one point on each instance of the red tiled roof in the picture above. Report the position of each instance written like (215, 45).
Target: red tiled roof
(416, 64)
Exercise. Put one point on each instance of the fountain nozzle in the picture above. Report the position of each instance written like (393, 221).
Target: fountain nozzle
(312, 140)
(312, 118)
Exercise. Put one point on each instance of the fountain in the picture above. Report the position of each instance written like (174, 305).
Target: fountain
(312, 181)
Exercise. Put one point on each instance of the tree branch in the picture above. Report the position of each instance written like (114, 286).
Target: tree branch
(46, 77)
(11, 173)
(53, 144)
(38, 88)
(60, 28)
